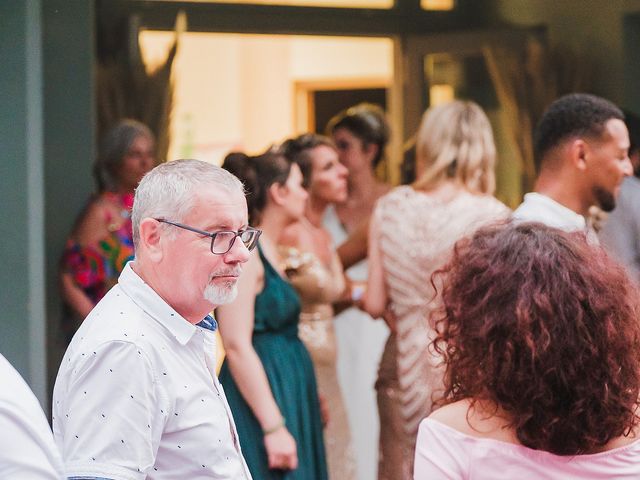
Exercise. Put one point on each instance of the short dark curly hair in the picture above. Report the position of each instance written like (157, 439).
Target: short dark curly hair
(545, 327)
(576, 114)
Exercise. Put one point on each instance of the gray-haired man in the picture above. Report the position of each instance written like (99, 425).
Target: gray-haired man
(137, 395)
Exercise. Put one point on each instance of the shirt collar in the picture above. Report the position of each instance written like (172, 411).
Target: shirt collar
(208, 323)
(148, 300)
(566, 215)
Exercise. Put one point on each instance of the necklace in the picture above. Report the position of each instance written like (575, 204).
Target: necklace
(124, 203)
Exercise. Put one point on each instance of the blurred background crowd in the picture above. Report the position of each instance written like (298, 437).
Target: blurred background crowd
(370, 137)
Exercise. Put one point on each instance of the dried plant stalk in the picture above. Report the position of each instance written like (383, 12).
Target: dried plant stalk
(126, 90)
(526, 82)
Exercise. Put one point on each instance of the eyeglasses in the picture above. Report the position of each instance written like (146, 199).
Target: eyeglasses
(222, 241)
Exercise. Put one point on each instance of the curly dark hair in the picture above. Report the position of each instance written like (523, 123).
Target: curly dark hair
(545, 327)
(576, 114)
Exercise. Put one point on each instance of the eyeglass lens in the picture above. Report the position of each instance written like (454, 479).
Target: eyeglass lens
(223, 241)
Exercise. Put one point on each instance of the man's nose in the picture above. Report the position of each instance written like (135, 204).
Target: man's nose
(239, 253)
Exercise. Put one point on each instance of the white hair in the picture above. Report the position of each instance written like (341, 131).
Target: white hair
(169, 190)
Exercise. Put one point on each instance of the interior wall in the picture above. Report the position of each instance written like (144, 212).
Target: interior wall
(22, 330)
(265, 100)
(632, 62)
(69, 144)
(46, 133)
(592, 27)
(238, 91)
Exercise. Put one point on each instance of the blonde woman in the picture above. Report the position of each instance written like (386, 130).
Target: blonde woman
(413, 230)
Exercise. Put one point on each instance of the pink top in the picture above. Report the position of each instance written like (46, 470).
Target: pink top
(445, 453)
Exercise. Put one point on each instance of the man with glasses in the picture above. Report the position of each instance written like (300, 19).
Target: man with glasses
(137, 395)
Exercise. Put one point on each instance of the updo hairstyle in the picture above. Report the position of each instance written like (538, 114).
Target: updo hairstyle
(258, 173)
(367, 122)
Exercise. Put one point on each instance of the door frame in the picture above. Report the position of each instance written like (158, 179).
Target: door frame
(416, 47)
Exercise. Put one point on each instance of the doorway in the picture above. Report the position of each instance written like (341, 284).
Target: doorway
(246, 92)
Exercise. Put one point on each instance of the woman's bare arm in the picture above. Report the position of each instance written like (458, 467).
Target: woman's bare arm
(236, 322)
(354, 248)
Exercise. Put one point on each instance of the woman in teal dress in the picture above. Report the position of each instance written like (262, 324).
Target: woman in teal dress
(267, 375)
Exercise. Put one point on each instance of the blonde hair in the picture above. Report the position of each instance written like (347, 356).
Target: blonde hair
(455, 142)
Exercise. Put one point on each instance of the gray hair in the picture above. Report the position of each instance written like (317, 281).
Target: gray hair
(169, 190)
(113, 148)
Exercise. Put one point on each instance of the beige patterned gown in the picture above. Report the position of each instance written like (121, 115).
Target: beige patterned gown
(416, 233)
(320, 285)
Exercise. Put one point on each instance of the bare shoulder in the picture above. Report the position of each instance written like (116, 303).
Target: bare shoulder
(253, 273)
(453, 415)
(292, 235)
(476, 420)
(92, 225)
(622, 440)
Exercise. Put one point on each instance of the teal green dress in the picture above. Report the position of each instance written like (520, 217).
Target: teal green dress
(291, 378)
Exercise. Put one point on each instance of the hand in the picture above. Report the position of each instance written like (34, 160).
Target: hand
(281, 450)
(324, 409)
(596, 218)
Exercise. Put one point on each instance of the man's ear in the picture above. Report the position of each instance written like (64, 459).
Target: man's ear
(277, 193)
(151, 239)
(578, 150)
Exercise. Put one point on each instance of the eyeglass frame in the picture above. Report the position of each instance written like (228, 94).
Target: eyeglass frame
(213, 235)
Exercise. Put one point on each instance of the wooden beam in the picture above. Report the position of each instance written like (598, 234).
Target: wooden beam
(405, 18)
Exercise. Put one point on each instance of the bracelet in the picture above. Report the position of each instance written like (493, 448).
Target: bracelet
(275, 428)
(357, 291)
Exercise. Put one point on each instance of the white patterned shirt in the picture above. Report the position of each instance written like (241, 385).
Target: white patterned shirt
(137, 395)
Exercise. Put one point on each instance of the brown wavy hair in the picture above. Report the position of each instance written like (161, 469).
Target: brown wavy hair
(545, 327)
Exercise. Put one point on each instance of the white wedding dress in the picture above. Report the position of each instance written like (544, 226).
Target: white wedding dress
(361, 341)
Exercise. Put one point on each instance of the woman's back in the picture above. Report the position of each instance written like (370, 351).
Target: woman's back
(444, 452)
(539, 335)
(417, 231)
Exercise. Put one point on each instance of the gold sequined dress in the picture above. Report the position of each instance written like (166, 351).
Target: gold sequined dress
(320, 285)
(416, 232)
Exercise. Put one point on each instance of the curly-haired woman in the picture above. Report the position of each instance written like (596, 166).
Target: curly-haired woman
(540, 336)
